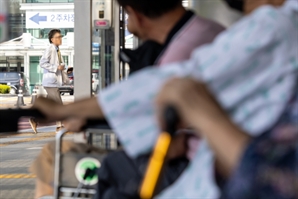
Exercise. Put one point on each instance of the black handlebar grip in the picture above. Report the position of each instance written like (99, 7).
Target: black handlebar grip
(9, 119)
(97, 124)
(172, 120)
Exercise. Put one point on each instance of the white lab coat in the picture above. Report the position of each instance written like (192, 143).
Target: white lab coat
(52, 77)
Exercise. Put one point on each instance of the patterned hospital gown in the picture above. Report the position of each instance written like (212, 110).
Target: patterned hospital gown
(251, 69)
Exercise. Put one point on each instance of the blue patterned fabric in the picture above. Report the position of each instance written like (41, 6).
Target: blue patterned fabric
(269, 167)
(251, 69)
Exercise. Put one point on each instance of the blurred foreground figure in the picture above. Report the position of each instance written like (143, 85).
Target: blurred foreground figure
(263, 167)
(251, 69)
(170, 34)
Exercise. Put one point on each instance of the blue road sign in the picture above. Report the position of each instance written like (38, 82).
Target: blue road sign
(36, 18)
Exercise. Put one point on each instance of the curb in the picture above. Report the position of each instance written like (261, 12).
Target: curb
(9, 95)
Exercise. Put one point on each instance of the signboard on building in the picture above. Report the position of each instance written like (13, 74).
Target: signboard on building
(37, 20)
(102, 13)
(101, 24)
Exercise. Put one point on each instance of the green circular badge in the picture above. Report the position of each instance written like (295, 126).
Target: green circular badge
(82, 166)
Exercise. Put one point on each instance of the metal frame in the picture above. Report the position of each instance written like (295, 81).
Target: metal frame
(122, 41)
(58, 147)
(102, 53)
(59, 137)
(116, 26)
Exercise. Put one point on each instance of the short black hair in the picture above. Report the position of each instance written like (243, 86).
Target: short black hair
(52, 33)
(151, 8)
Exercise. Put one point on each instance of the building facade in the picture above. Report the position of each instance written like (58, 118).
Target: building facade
(29, 24)
(31, 20)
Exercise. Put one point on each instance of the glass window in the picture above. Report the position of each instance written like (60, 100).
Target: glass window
(61, 1)
(16, 21)
(12, 75)
(36, 73)
(11, 64)
(43, 33)
(3, 64)
(49, 1)
(95, 62)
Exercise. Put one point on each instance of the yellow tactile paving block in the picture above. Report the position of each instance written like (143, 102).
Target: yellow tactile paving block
(44, 136)
(17, 135)
(17, 176)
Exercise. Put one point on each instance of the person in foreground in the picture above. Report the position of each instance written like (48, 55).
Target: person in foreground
(170, 33)
(244, 68)
(261, 167)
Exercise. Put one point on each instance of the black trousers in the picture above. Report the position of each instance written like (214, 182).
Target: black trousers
(120, 177)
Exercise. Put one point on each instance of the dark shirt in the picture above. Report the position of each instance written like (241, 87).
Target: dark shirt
(149, 52)
(269, 167)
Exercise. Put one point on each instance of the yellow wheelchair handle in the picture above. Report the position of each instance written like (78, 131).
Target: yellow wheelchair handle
(158, 157)
(155, 166)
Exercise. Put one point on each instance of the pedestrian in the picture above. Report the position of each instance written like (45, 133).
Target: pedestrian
(53, 65)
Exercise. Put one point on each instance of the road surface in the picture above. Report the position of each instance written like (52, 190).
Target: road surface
(18, 150)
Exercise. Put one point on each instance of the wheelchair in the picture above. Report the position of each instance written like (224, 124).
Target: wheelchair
(67, 182)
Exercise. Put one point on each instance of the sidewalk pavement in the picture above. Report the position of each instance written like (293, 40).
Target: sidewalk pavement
(9, 101)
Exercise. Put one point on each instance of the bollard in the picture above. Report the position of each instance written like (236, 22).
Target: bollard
(20, 101)
(34, 95)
